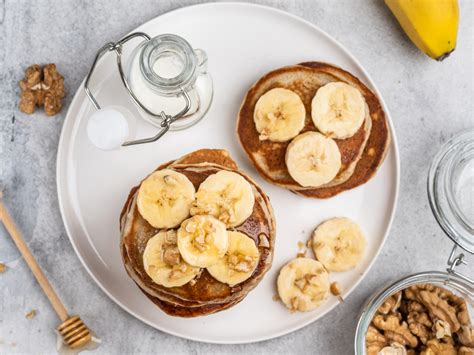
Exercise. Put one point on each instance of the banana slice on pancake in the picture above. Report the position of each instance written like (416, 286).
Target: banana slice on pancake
(202, 240)
(225, 195)
(338, 110)
(303, 284)
(239, 262)
(279, 115)
(313, 159)
(165, 198)
(163, 263)
(339, 244)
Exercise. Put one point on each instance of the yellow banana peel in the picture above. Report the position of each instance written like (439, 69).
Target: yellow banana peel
(432, 25)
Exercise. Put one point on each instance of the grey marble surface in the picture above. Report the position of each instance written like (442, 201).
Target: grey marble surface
(429, 102)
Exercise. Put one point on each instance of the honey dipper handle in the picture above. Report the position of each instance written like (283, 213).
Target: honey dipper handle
(30, 260)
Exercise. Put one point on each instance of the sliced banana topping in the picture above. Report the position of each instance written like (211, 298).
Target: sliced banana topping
(339, 244)
(239, 262)
(165, 198)
(303, 284)
(163, 263)
(313, 159)
(202, 240)
(338, 110)
(225, 195)
(279, 115)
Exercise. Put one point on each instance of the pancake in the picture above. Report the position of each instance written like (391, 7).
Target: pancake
(187, 312)
(178, 309)
(206, 291)
(137, 231)
(209, 156)
(305, 79)
(375, 149)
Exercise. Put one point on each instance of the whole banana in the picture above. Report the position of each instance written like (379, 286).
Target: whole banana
(432, 25)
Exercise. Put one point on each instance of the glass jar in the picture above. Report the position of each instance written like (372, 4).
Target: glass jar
(453, 283)
(451, 196)
(161, 71)
(451, 189)
(166, 79)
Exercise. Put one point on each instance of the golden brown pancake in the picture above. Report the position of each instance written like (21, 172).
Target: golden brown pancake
(214, 156)
(187, 312)
(206, 295)
(375, 149)
(305, 79)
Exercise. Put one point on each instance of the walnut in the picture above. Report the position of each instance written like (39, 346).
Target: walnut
(241, 263)
(32, 77)
(391, 304)
(171, 256)
(300, 283)
(393, 349)
(441, 329)
(31, 314)
(415, 306)
(435, 347)
(466, 335)
(410, 293)
(41, 88)
(461, 309)
(394, 330)
(440, 309)
(335, 289)
(420, 325)
(464, 350)
(171, 237)
(297, 304)
(263, 241)
(375, 341)
(27, 102)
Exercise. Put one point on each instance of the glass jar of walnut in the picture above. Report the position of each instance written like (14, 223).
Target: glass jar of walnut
(369, 344)
(431, 313)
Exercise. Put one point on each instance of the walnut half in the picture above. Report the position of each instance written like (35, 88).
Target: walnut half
(41, 88)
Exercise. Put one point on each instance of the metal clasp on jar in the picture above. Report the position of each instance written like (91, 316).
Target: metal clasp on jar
(456, 260)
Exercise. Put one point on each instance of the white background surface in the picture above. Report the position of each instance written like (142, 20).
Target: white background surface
(429, 102)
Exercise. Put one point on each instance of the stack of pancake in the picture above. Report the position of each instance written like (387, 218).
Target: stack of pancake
(360, 153)
(204, 294)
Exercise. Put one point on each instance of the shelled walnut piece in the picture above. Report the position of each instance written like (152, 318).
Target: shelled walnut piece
(42, 87)
(422, 319)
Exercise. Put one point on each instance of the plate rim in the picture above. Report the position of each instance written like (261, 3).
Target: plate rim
(63, 149)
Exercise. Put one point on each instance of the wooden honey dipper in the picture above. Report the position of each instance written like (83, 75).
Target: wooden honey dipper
(74, 332)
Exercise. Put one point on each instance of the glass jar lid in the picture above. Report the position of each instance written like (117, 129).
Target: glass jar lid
(451, 189)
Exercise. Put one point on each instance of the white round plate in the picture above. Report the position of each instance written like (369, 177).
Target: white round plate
(242, 45)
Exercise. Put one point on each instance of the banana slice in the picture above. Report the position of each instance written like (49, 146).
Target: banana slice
(163, 262)
(202, 240)
(165, 198)
(303, 284)
(313, 159)
(339, 244)
(239, 262)
(338, 110)
(279, 115)
(225, 195)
